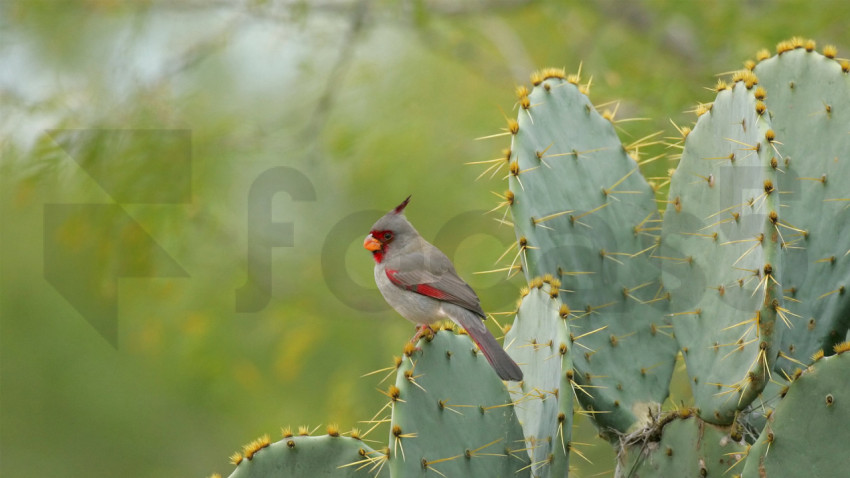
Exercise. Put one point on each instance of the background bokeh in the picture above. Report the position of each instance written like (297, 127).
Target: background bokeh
(123, 350)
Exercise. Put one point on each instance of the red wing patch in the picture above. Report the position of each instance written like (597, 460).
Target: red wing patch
(423, 289)
(426, 289)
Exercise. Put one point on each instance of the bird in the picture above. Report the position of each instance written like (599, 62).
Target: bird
(421, 284)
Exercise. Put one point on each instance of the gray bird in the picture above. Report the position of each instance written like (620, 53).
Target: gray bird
(421, 284)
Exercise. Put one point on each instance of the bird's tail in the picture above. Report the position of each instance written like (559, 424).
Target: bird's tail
(501, 362)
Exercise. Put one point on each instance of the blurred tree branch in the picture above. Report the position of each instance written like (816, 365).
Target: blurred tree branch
(357, 20)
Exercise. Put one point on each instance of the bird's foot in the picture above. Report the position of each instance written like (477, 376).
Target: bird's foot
(421, 330)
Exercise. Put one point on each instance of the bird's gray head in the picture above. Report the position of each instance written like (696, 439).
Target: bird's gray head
(392, 229)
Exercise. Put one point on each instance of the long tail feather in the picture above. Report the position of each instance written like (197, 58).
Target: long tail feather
(501, 362)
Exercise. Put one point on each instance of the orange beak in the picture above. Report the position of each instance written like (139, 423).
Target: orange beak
(371, 243)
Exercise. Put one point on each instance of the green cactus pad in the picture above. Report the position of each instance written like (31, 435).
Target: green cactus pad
(721, 252)
(808, 97)
(326, 455)
(452, 416)
(807, 435)
(680, 447)
(583, 213)
(539, 342)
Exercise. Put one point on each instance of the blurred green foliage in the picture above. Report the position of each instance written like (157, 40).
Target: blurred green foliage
(372, 101)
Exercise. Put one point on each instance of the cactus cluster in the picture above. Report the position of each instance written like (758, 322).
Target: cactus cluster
(585, 215)
(743, 276)
(438, 424)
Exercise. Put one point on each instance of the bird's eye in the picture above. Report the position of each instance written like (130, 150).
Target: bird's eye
(388, 236)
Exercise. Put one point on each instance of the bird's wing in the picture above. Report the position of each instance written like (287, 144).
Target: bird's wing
(434, 276)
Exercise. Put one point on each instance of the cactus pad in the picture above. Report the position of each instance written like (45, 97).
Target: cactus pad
(807, 434)
(721, 251)
(808, 97)
(452, 416)
(326, 455)
(539, 342)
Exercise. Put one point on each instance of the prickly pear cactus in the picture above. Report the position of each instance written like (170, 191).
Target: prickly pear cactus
(326, 455)
(747, 276)
(539, 342)
(808, 98)
(451, 415)
(680, 444)
(721, 248)
(807, 433)
(584, 214)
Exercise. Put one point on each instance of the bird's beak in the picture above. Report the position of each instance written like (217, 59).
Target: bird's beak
(371, 243)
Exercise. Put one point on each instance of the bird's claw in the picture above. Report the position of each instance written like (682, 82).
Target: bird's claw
(421, 330)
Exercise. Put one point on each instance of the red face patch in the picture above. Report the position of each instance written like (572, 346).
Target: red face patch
(381, 239)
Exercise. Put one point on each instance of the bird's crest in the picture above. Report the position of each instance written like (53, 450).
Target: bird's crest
(400, 208)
